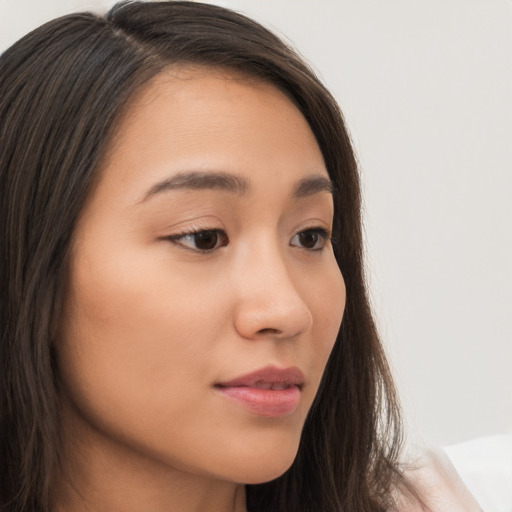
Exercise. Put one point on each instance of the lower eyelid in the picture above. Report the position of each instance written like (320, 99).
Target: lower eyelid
(192, 231)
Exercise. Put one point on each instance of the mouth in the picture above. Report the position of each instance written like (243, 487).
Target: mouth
(271, 392)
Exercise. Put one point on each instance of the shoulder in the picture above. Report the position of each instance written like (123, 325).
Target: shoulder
(433, 485)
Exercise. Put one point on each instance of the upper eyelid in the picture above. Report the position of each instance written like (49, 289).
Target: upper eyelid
(193, 231)
(183, 234)
(324, 230)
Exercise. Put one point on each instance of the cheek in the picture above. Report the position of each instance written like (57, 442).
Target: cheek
(326, 301)
(133, 356)
(131, 329)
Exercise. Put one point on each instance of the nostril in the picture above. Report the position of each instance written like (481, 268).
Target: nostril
(269, 331)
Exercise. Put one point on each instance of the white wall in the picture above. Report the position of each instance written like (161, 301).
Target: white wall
(426, 87)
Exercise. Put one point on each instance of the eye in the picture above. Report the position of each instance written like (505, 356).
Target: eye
(313, 239)
(205, 240)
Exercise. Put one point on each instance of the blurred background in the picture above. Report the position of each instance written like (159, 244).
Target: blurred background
(426, 88)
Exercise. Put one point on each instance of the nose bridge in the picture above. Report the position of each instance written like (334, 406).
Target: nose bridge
(269, 301)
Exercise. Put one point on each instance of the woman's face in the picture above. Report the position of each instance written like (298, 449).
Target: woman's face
(204, 298)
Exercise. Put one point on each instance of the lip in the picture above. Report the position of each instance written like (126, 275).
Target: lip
(271, 392)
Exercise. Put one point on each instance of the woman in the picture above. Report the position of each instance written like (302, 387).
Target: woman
(181, 240)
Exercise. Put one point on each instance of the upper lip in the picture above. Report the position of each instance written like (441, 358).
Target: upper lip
(269, 377)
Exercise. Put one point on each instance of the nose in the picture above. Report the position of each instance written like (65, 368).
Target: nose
(268, 301)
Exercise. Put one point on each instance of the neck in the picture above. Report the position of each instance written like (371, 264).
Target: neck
(106, 495)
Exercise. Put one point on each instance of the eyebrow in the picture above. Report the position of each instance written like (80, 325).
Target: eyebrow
(312, 185)
(197, 180)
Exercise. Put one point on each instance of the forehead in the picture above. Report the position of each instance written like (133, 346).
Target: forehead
(198, 118)
(202, 95)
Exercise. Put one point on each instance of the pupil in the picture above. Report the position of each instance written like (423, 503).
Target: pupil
(206, 240)
(308, 239)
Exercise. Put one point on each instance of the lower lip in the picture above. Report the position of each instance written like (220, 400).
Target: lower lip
(272, 403)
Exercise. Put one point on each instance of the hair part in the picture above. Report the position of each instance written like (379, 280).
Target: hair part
(63, 90)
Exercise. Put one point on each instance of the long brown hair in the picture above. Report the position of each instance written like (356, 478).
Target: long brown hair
(63, 88)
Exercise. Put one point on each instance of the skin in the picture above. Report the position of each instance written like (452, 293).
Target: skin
(151, 323)
(437, 485)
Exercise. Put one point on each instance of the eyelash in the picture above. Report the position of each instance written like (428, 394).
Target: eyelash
(323, 236)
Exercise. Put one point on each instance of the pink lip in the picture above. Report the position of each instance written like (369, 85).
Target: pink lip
(270, 392)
